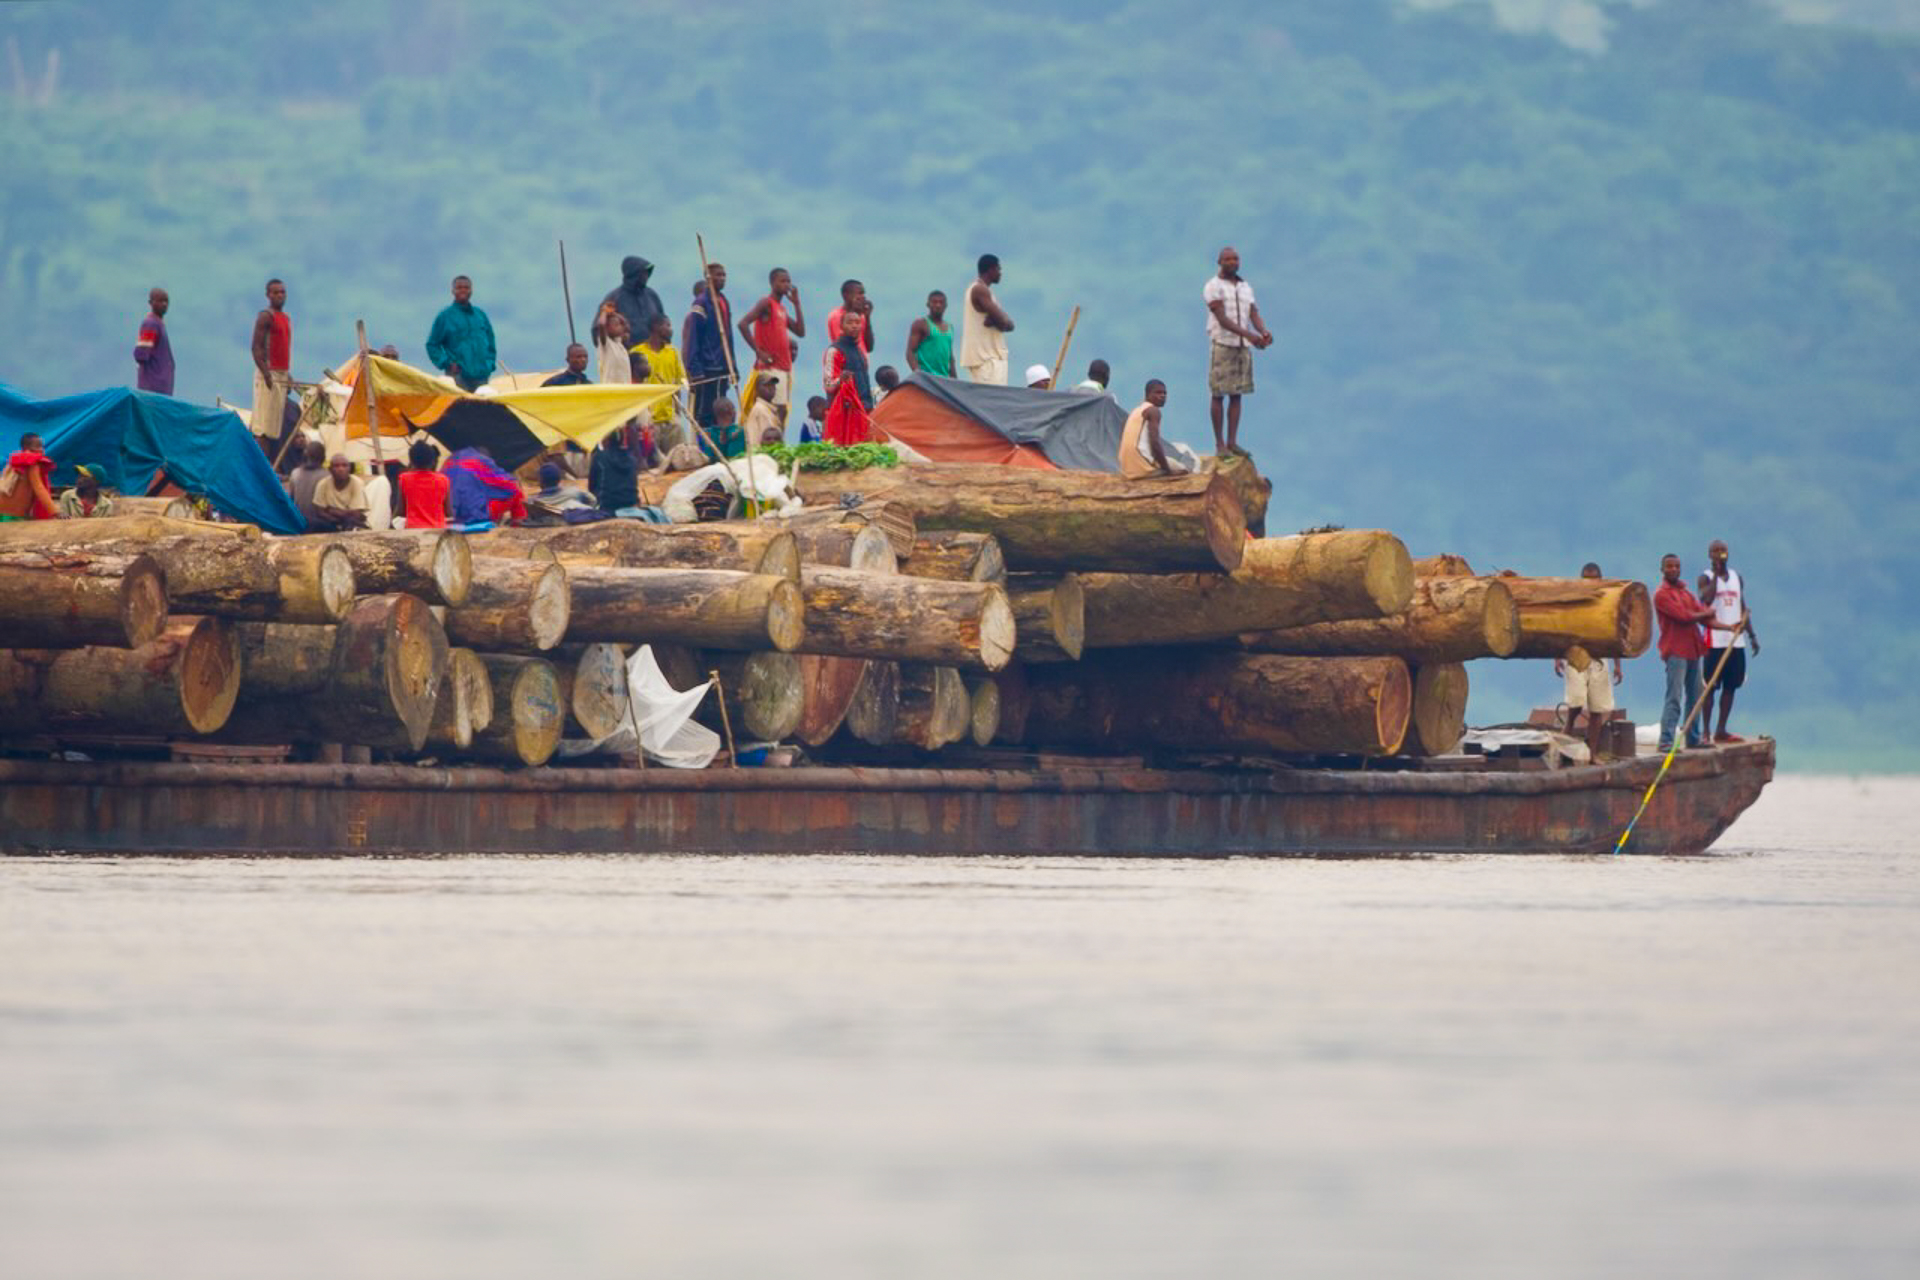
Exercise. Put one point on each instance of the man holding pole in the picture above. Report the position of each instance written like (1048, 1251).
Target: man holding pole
(1729, 640)
(1234, 331)
(709, 354)
(1681, 648)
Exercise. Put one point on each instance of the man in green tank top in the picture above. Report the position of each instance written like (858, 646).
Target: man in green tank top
(930, 340)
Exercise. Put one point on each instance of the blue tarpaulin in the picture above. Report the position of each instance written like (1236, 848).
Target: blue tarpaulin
(129, 435)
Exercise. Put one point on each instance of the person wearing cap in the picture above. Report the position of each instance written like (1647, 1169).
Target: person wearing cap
(764, 426)
(1039, 377)
(340, 501)
(85, 500)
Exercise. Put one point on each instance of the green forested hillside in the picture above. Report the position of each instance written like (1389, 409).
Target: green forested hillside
(1536, 304)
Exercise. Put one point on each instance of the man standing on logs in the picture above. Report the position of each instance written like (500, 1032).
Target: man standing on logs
(151, 351)
(1234, 331)
(984, 328)
(272, 358)
(1589, 690)
(1729, 611)
(710, 345)
(1681, 648)
(461, 341)
(930, 339)
(770, 332)
(634, 298)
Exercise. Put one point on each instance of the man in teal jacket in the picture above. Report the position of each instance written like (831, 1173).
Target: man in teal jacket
(461, 344)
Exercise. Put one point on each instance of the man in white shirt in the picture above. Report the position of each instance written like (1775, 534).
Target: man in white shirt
(1235, 331)
(1729, 611)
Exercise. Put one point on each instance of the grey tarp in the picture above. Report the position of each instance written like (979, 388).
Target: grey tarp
(1077, 431)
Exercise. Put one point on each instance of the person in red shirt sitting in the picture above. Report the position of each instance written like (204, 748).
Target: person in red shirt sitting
(24, 492)
(424, 489)
(1681, 647)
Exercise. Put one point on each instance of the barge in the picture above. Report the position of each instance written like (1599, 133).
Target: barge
(1059, 809)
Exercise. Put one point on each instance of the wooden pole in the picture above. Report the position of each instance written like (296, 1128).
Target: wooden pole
(366, 381)
(566, 291)
(726, 725)
(1680, 736)
(1073, 322)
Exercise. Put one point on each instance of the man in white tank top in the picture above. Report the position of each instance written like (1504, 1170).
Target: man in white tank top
(1728, 596)
(984, 328)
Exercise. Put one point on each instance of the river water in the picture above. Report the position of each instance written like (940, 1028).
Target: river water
(1021, 1067)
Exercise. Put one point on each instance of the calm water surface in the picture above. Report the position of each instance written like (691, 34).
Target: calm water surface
(1026, 1067)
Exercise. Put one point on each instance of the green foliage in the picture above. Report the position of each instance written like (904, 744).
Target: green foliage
(1534, 305)
(818, 455)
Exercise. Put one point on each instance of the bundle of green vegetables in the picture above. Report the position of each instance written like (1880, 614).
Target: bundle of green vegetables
(818, 455)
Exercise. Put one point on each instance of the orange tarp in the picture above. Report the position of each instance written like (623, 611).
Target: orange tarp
(944, 434)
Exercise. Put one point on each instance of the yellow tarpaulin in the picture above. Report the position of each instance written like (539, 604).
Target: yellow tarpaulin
(408, 400)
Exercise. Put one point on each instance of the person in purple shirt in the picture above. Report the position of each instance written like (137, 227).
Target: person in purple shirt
(153, 353)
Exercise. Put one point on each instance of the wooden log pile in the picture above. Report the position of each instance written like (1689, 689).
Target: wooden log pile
(908, 612)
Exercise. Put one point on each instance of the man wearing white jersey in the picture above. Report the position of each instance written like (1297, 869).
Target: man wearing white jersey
(1729, 601)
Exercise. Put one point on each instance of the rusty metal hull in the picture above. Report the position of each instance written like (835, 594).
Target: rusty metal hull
(182, 809)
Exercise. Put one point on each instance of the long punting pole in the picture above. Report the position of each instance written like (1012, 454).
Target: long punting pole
(1680, 736)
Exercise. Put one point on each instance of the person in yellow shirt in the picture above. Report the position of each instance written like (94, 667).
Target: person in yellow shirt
(664, 369)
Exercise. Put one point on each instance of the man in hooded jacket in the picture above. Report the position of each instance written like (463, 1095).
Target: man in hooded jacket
(634, 299)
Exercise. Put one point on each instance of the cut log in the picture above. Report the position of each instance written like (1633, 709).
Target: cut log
(1016, 701)
(983, 718)
(894, 521)
(827, 688)
(528, 714)
(1226, 701)
(1449, 620)
(1250, 487)
(1606, 617)
(501, 544)
(874, 715)
(372, 680)
(1442, 566)
(868, 615)
(956, 557)
(1439, 718)
(59, 598)
(935, 708)
(764, 692)
(1063, 520)
(828, 682)
(466, 702)
(711, 608)
(1050, 616)
(515, 605)
(593, 688)
(434, 564)
(1282, 582)
(846, 546)
(683, 665)
(744, 546)
(182, 681)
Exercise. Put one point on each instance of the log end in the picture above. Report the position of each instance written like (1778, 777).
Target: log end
(416, 658)
(872, 551)
(781, 559)
(772, 695)
(1393, 705)
(991, 564)
(452, 566)
(1500, 622)
(143, 601)
(1068, 608)
(984, 721)
(1636, 620)
(1226, 522)
(786, 616)
(874, 715)
(549, 607)
(599, 690)
(828, 685)
(997, 630)
(1389, 577)
(465, 669)
(334, 582)
(535, 712)
(209, 670)
(1439, 709)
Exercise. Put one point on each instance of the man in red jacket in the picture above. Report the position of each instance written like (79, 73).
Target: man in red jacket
(1681, 647)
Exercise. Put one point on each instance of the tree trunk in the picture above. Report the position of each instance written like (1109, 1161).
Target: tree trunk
(182, 682)
(1439, 709)
(1225, 701)
(1016, 702)
(894, 521)
(1282, 582)
(870, 615)
(466, 702)
(828, 685)
(593, 688)
(983, 719)
(512, 605)
(764, 693)
(1250, 487)
(957, 557)
(846, 546)
(1442, 566)
(502, 544)
(1607, 618)
(434, 564)
(874, 715)
(935, 708)
(1450, 620)
(59, 598)
(744, 546)
(528, 714)
(371, 680)
(1050, 616)
(715, 608)
(1065, 520)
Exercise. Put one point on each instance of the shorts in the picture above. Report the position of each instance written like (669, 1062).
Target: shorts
(992, 371)
(269, 404)
(1231, 371)
(1591, 690)
(1735, 673)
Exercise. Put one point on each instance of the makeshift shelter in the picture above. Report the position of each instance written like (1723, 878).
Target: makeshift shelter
(131, 436)
(953, 421)
(513, 426)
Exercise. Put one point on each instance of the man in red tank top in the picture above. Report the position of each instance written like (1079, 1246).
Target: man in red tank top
(770, 331)
(272, 358)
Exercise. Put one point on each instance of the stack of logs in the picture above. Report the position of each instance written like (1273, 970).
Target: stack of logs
(905, 609)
